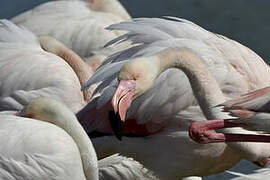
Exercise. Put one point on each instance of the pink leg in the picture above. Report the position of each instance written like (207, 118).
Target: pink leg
(201, 132)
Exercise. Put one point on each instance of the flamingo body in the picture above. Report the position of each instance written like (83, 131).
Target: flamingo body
(168, 106)
(57, 148)
(27, 156)
(29, 72)
(78, 24)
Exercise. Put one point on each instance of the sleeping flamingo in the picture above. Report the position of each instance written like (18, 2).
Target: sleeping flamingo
(79, 24)
(34, 67)
(159, 101)
(59, 148)
(38, 67)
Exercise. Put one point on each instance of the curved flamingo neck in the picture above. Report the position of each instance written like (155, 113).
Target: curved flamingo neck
(204, 85)
(56, 113)
(76, 63)
(209, 94)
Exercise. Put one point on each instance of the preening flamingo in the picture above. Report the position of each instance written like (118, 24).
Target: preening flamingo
(78, 24)
(28, 72)
(49, 143)
(162, 105)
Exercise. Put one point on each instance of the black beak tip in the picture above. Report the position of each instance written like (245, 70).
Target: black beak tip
(119, 136)
(117, 124)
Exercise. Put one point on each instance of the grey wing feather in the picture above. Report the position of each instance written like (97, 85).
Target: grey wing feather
(103, 73)
(151, 36)
(135, 28)
(106, 96)
(104, 84)
(123, 55)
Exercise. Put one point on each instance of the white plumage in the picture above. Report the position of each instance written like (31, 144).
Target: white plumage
(57, 148)
(29, 72)
(78, 24)
(118, 167)
(167, 109)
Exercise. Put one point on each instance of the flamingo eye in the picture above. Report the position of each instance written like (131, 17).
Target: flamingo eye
(135, 77)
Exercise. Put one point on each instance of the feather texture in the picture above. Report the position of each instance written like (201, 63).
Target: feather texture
(117, 167)
(153, 36)
(76, 23)
(33, 167)
(27, 71)
(167, 109)
(21, 35)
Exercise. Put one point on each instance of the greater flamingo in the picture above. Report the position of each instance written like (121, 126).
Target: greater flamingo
(79, 24)
(48, 142)
(163, 105)
(32, 67)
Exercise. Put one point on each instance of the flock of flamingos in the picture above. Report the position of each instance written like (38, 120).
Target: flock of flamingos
(71, 70)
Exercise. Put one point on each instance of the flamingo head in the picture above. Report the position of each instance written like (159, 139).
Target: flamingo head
(135, 78)
(42, 109)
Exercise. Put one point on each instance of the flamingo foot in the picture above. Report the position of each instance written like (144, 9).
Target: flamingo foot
(201, 132)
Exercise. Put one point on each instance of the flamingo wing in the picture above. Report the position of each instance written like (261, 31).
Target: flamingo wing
(252, 109)
(258, 101)
(25, 154)
(27, 71)
(171, 98)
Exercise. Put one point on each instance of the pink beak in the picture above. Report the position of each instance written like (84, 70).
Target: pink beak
(121, 101)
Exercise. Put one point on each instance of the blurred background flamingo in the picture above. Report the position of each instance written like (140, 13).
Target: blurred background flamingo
(78, 24)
